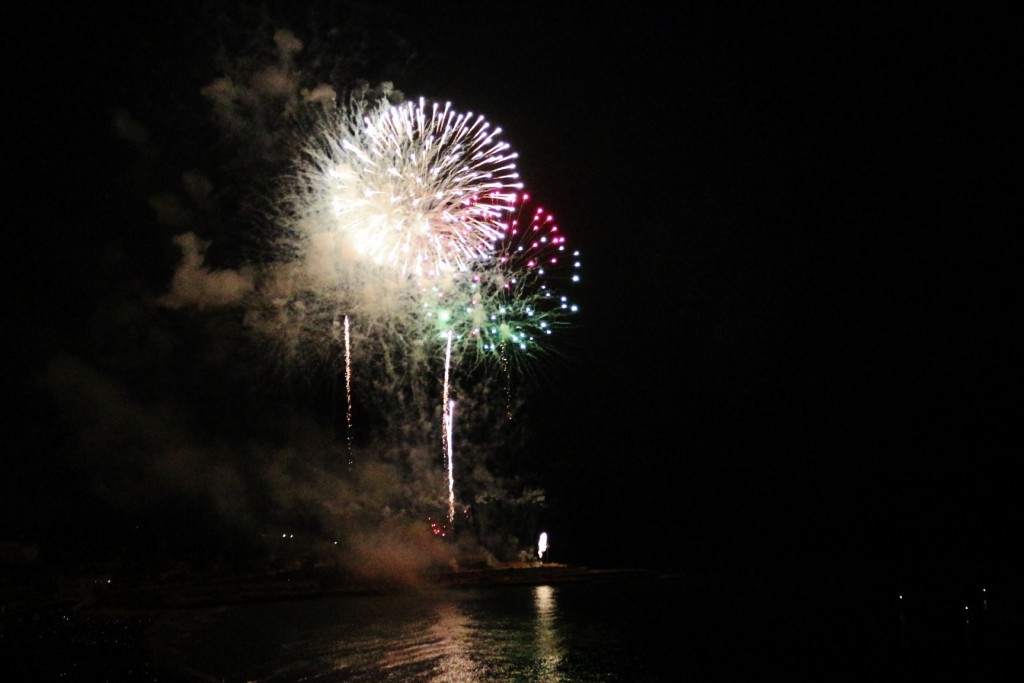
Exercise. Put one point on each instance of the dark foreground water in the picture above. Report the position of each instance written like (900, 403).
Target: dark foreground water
(751, 625)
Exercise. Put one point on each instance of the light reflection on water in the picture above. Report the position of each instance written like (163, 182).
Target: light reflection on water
(548, 646)
(721, 626)
(519, 633)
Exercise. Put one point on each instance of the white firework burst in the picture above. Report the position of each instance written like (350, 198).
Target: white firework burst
(416, 188)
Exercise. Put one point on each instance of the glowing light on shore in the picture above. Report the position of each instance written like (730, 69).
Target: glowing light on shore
(542, 544)
(437, 529)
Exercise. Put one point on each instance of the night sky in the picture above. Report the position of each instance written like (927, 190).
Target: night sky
(797, 327)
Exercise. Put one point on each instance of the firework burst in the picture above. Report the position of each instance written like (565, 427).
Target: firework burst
(508, 305)
(408, 219)
(416, 188)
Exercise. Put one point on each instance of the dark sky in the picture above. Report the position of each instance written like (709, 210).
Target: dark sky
(797, 326)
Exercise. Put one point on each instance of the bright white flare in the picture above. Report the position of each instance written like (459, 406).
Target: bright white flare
(416, 187)
(542, 544)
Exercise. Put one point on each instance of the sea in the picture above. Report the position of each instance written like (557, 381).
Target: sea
(675, 626)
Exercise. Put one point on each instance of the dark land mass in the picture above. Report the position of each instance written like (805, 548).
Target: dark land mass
(119, 595)
(304, 585)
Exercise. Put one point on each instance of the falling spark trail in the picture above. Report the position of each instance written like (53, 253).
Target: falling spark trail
(446, 428)
(445, 436)
(451, 464)
(508, 382)
(348, 392)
